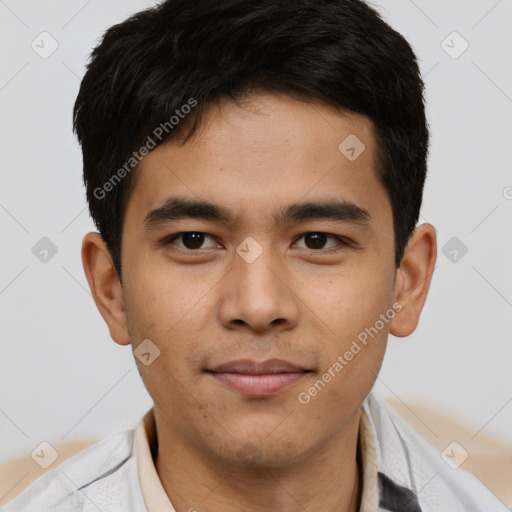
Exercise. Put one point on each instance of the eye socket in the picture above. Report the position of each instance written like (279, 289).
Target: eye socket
(319, 238)
(193, 240)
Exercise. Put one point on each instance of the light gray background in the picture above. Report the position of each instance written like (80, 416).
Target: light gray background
(63, 378)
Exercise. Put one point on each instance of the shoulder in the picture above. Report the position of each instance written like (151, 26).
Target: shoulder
(96, 477)
(406, 458)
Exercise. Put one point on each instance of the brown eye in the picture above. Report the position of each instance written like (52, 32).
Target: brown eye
(190, 240)
(193, 240)
(317, 241)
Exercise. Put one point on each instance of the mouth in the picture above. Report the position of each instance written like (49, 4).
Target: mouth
(258, 378)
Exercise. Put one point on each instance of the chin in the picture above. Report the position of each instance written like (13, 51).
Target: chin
(265, 453)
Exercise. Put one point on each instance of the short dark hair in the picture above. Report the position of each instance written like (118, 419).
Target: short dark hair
(145, 71)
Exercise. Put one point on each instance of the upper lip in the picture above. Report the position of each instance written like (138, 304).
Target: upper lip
(246, 366)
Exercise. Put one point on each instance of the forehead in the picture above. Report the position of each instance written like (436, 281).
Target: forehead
(261, 153)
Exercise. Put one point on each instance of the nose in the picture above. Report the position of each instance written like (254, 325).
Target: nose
(258, 295)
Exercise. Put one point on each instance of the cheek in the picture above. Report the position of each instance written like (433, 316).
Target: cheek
(165, 309)
(161, 298)
(358, 310)
(353, 300)
(346, 378)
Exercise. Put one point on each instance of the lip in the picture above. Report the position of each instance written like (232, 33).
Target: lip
(258, 378)
(247, 366)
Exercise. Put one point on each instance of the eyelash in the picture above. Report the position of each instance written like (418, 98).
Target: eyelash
(343, 241)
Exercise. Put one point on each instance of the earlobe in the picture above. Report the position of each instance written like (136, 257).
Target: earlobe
(105, 286)
(413, 279)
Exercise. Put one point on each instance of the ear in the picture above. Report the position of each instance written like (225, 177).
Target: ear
(105, 286)
(413, 279)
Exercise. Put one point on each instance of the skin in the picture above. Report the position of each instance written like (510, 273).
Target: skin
(305, 303)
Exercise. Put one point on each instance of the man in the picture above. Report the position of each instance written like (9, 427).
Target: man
(255, 170)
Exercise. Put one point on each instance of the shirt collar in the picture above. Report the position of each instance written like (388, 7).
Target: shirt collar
(391, 457)
(154, 495)
(378, 489)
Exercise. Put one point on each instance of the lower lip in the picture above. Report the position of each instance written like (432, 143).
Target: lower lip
(258, 385)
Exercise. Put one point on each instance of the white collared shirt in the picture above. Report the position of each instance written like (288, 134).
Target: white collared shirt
(401, 473)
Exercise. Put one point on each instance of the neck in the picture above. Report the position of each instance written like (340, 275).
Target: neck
(329, 479)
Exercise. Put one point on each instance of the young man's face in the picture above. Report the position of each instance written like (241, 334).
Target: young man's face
(257, 287)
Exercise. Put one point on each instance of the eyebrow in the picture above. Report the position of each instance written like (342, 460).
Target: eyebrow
(176, 208)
